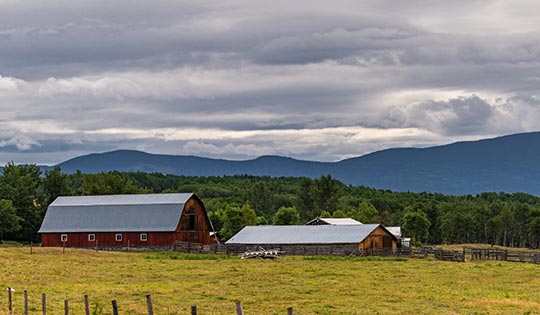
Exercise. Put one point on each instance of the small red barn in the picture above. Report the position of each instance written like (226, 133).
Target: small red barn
(146, 220)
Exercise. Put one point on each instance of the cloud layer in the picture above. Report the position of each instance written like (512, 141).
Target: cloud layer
(240, 79)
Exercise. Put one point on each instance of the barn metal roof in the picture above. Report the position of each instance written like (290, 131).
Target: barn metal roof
(115, 213)
(334, 221)
(303, 234)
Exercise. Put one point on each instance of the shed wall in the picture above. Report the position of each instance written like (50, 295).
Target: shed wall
(378, 239)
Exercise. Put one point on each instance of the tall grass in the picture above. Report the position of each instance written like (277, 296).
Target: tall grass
(312, 285)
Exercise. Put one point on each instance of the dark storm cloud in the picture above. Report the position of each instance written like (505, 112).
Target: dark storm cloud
(240, 79)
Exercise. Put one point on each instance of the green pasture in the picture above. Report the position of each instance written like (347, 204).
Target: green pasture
(311, 285)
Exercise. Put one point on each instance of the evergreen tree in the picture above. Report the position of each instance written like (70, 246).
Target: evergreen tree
(260, 198)
(326, 194)
(55, 184)
(305, 202)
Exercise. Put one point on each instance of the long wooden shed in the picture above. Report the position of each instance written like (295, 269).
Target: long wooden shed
(362, 236)
(145, 220)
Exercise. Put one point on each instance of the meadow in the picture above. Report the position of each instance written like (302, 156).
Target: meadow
(312, 285)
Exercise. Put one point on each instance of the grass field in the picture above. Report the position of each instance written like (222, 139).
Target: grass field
(312, 285)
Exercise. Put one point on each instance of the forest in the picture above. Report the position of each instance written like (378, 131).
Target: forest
(235, 201)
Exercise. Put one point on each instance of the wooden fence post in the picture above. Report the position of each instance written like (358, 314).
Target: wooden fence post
(10, 301)
(239, 309)
(149, 304)
(193, 310)
(43, 304)
(290, 311)
(25, 302)
(86, 305)
(114, 307)
(66, 307)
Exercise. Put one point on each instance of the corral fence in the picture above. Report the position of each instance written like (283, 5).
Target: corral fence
(335, 250)
(468, 253)
(502, 255)
(115, 306)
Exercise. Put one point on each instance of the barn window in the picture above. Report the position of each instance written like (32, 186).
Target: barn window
(91, 237)
(63, 237)
(144, 237)
(118, 237)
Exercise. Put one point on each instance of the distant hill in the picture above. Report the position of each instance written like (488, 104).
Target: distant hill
(509, 164)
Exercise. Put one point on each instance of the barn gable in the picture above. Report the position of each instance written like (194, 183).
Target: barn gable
(333, 221)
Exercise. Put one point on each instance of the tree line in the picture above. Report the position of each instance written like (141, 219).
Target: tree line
(235, 201)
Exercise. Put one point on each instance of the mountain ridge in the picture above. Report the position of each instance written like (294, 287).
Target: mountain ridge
(502, 164)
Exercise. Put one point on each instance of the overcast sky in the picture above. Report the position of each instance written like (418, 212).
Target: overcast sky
(240, 79)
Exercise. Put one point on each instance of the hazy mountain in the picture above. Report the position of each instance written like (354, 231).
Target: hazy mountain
(508, 163)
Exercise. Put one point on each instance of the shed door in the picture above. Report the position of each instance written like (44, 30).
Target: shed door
(387, 242)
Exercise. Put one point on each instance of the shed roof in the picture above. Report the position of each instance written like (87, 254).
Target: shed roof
(396, 230)
(334, 221)
(303, 234)
(115, 213)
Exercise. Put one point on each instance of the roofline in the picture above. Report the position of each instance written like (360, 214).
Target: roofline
(114, 231)
(295, 244)
(119, 195)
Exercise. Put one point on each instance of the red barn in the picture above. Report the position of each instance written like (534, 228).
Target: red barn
(147, 220)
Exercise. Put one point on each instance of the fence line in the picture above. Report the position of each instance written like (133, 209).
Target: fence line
(468, 253)
(314, 250)
(503, 255)
(114, 305)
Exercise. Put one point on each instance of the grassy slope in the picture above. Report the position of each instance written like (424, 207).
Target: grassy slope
(346, 286)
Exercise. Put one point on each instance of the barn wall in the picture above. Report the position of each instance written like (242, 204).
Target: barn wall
(378, 239)
(200, 232)
(165, 239)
